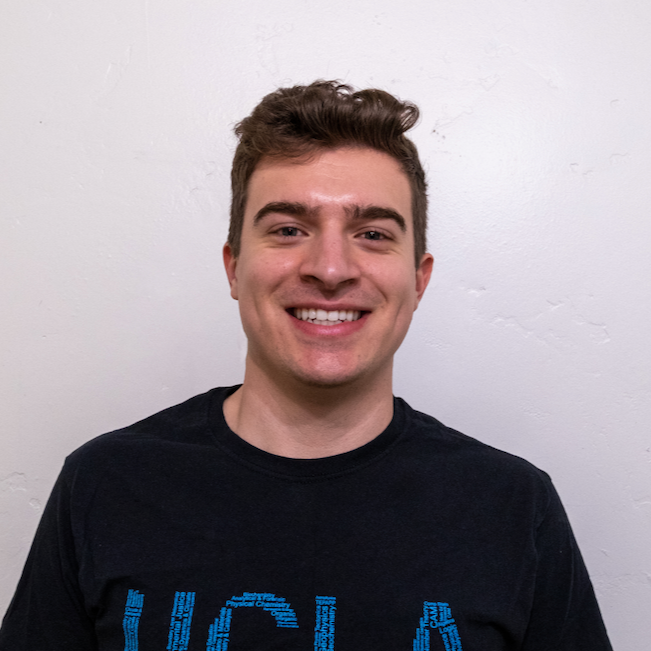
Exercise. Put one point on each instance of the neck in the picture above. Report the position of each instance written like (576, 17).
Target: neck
(309, 422)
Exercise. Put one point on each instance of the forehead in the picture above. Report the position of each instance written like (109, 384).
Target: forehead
(330, 179)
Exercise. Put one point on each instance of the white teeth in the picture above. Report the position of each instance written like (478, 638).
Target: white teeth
(323, 317)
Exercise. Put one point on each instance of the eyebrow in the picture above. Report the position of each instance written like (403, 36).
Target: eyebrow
(377, 212)
(355, 212)
(293, 208)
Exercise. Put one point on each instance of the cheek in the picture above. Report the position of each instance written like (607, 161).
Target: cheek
(271, 269)
(398, 283)
(407, 298)
(263, 276)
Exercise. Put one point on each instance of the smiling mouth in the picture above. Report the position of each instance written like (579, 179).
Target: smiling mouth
(326, 318)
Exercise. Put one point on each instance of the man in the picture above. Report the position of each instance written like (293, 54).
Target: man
(308, 508)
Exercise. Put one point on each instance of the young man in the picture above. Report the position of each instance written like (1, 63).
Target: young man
(308, 508)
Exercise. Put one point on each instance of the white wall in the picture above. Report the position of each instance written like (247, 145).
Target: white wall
(115, 149)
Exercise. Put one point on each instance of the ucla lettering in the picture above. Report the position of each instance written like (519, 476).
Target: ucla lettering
(132, 612)
(219, 632)
(179, 635)
(437, 616)
(324, 631)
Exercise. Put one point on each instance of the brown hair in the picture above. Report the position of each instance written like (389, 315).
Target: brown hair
(298, 121)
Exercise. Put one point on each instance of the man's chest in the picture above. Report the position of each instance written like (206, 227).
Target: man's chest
(287, 566)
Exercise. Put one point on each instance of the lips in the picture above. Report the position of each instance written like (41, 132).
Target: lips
(325, 317)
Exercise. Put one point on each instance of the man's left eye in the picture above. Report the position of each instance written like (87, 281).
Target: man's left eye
(374, 235)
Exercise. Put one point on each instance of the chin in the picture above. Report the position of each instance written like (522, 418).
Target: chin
(326, 383)
(329, 378)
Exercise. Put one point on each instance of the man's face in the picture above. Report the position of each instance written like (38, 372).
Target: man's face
(325, 278)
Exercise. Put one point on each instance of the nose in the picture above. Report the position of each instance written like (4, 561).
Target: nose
(330, 261)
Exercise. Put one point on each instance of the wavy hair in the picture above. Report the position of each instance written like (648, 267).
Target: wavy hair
(299, 121)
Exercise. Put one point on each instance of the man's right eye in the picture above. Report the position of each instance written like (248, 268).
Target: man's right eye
(288, 231)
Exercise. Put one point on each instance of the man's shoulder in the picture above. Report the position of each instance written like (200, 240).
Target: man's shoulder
(188, 423)
(456, 454)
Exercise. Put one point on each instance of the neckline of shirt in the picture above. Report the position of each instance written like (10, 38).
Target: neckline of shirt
(301, 469)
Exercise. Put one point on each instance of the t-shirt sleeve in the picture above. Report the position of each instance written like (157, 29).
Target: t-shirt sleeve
(47, 612)
(565, 615)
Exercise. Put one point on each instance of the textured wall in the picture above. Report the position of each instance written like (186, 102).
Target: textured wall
(115, 138)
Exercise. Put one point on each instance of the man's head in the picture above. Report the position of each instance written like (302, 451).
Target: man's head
(297, 122)
(325, 230)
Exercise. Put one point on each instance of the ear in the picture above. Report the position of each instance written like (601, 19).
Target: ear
(423, 274)
(230, 264)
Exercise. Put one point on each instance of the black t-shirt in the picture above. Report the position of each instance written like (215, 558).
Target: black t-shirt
(176, 534)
